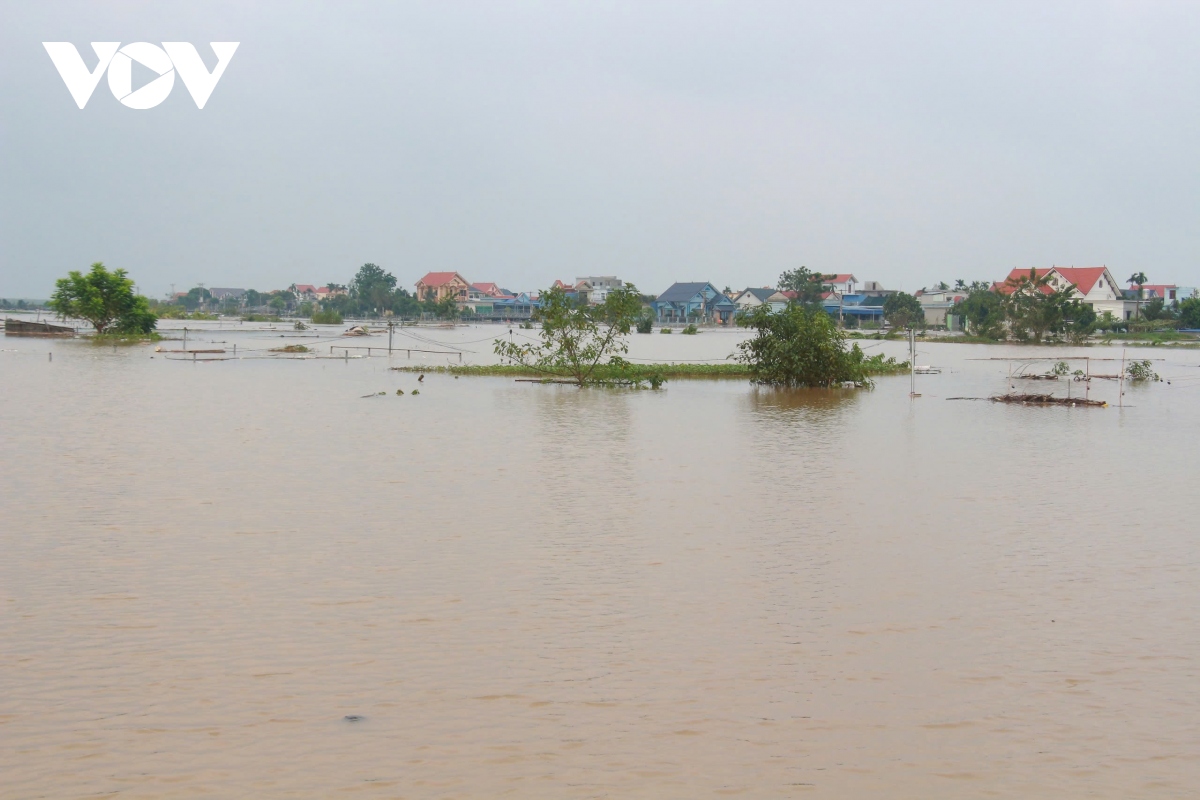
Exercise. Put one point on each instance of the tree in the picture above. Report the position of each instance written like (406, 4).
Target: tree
(1155, 309)
(799, 347)
(253, 298)
(372, 287)
(1189, 312)
(1080, 319)
(577, 339)
(196, 296)
(447, 309)
(405, 304)
(1034, 307)
(105, 299)
(983, 311)
(1138, 279)
(277, 303)
(902, 310)
(808, 286)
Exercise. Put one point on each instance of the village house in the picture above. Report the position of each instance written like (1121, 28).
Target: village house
(326, 292)
(875, 289)
(220, 295)
(600, 286)
(748, 299)
(1169, 293)
(491, 290)
(857, 307)
(580, 291)
(841, 283)
(440, 285)
(520, 306)
(937, 304)
(1093, 285)
(694, 302)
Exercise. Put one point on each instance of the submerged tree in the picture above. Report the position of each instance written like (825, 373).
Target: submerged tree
(105, 299)
(799, 347)
(580, 342)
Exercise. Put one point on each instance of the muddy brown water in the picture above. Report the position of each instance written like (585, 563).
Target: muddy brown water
(536, 591)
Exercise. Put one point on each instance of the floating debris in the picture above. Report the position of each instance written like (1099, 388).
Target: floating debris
(399, 391)
(353, 718)
(291, 348)
(416, 391)
(1044, 400)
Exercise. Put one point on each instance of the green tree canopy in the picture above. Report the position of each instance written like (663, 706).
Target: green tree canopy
(1156, 309)
(373, 287)
(1034, 307)
(808, 285)
(577, 338)
(983, 311)
(902, 310)
(1189, 312)
(799, 347)
(105, 299)
(195, 297)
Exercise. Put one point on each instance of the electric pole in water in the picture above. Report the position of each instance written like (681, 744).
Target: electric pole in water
(912, 362)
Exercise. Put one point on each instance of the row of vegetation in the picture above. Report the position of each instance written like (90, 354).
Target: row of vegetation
(372, 293)
(799, 346)
(20, 305)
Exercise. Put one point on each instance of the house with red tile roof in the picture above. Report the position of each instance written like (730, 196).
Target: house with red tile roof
(842, 282)
(489, 289)
(1093, 285)
(440, 285)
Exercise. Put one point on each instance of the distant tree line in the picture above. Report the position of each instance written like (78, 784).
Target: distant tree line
(371, 294)
(20, 305)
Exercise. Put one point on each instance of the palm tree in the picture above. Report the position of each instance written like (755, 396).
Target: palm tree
(1138, 278)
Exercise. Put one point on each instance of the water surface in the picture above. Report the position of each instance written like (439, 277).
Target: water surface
(537, 591)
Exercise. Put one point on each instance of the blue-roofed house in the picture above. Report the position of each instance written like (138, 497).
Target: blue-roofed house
(519, 307)
(694, 302)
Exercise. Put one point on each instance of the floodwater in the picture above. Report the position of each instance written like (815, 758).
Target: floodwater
(536, 591)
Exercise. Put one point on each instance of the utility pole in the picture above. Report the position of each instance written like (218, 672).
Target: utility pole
(912, 362)
(1121, 382)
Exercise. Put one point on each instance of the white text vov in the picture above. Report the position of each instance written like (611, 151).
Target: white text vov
(172, 57)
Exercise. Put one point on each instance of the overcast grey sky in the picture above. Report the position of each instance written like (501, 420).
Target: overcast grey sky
(520, 142)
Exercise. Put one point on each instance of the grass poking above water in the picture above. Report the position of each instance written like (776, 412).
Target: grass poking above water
(876, 365)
